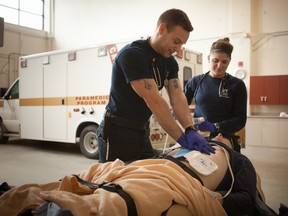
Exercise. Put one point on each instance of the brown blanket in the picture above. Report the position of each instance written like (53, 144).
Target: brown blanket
(153, 184)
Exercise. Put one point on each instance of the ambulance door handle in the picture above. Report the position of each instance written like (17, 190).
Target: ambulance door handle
(63, 101)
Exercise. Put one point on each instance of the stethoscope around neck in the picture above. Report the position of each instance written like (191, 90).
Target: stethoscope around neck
(156, 71)
(221, 88)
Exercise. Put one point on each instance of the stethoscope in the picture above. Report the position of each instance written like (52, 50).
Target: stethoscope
(222, 92)
(157, 75)
(156, 72)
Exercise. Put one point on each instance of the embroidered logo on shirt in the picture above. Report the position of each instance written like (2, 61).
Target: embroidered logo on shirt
(224, 93)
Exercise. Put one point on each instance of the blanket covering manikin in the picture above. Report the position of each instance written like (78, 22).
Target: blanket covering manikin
(153, 184)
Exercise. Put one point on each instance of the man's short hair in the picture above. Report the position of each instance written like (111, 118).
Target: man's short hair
(175, 17)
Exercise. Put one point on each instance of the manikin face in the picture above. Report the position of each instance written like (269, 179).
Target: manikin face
(219, 62)
(171, 41)
(220, 138)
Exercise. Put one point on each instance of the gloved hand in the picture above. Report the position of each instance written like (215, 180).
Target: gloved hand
(194, 141)
(207, 126)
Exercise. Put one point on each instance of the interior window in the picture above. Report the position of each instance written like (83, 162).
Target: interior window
(187, 74)
(29, 13)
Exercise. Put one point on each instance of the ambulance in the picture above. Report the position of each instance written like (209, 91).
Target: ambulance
(60, 96)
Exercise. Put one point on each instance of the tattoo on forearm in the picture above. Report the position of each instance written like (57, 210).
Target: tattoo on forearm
(175, 83)
(147, 84)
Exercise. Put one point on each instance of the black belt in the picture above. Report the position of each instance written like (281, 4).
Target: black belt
(129, 123)
(113, 118)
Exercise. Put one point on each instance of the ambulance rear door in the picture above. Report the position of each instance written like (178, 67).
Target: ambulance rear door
(54, 94)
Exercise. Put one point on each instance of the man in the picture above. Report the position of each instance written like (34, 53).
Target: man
(140, 70)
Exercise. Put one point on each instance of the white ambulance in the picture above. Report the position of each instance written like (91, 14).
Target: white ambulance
(61, 96)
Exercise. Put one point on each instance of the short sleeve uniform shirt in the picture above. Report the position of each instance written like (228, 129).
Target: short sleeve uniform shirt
(137, 61)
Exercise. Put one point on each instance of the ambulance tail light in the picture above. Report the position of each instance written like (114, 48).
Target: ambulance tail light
(23, 63)
(157, 136)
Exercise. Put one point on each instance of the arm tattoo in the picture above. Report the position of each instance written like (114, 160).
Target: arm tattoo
(147, 84)
(175, 83)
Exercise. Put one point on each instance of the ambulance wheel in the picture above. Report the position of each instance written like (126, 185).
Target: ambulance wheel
(89, 142)
(3, 139)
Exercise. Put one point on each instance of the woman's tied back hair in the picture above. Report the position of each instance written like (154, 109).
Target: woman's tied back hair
(222, 45)
(175, 17)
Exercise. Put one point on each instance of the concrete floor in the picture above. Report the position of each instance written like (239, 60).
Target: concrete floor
(26, 161)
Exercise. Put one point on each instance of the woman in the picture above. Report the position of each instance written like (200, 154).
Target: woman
(220, 97)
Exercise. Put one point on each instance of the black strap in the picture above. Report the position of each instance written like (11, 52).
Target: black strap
(116, 188)
(112, 187)
(91, 185)
(184, 167)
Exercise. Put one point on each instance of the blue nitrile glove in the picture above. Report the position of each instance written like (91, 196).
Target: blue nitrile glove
(207, 126)
(194, 141)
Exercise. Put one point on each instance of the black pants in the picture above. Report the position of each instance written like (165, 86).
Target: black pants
(124, 143)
